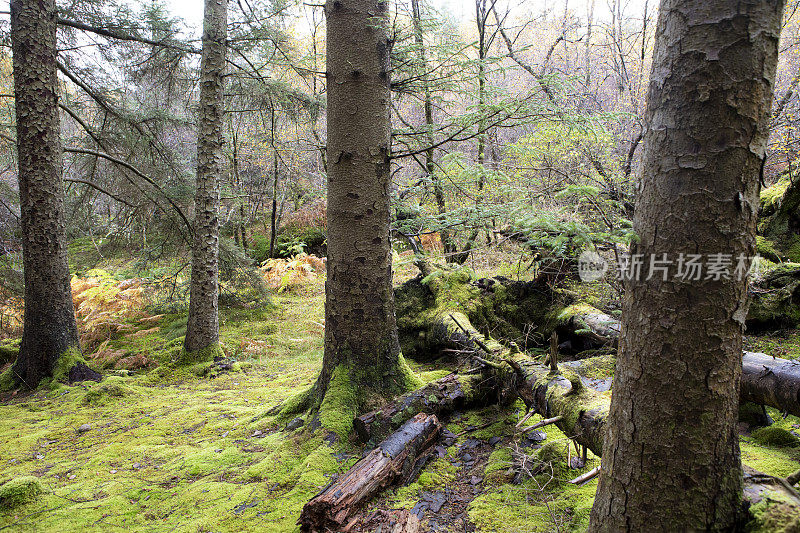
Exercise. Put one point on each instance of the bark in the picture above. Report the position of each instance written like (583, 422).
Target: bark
(392, 460)
(202, 331)
(360, 326)
(671, 456)
(273, 217)
(49, 323)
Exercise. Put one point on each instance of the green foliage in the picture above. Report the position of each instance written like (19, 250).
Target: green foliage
(300, 240)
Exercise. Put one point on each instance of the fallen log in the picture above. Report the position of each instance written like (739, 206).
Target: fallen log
(771, 381)
(578, 411)
(584, 328)
(440, 397)
(766, 380)
(391, 460)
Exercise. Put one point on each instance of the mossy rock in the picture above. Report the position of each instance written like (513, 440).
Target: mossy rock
(775, 302)
(19, 491)
(775, 436)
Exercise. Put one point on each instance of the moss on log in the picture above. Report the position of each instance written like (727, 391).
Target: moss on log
(393, 459)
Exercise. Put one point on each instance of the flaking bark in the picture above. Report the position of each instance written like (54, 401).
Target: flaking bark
(671, 456)
(202, 330)
(360, 325)
(49, 324)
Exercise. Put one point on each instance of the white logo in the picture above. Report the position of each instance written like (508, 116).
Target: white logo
(591, 266)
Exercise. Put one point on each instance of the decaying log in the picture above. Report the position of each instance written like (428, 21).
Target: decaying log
(583, 411)
(392, 459)
(583, 327)
(771, 381)
(439, 397)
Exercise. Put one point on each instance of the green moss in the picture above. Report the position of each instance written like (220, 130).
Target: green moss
(771, 197)
(599, 367)
(213, 460)
(772, 515)
(7, 381)
(64, 364)
(499, 462)
(766, 248)
(440, 473)
(342, 402)
(775, 436)
(202, 355)
(112, 388)
(8, 353)
(19, 491)
(784, 344)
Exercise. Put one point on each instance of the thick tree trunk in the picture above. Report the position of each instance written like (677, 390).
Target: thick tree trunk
(671, 455)
(202, 330)
(393, 459)
(360, 329)
(49, 324)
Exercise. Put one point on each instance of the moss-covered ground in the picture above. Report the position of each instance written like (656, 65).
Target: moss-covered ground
(173, 447)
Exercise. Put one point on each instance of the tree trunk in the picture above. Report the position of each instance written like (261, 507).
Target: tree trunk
(430, 164)
(49, 323)
(671, 455)
(361, 345)
(393, 458)
(202, 331)
(273, 217)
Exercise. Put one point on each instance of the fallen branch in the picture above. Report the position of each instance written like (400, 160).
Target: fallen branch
(393, 459)
(583, 478)
(543, 423)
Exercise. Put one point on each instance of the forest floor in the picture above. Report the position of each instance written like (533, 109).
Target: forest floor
(193, 448)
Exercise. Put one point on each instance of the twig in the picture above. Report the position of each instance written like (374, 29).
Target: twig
(554, 353)
(481, 345)
(583, 478)
(487, 363)
(525, 418)
(545, 422)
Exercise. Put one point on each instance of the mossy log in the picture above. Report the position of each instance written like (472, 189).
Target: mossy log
(582, 410)
(393, 459)
(583, 327)
(774, 298)
(522, 312)
(489, 383)
(440, 397)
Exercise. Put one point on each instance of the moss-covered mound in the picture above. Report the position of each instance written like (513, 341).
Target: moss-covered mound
(19, 491)
(779, 222)
(514, 311)
(776, 298)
